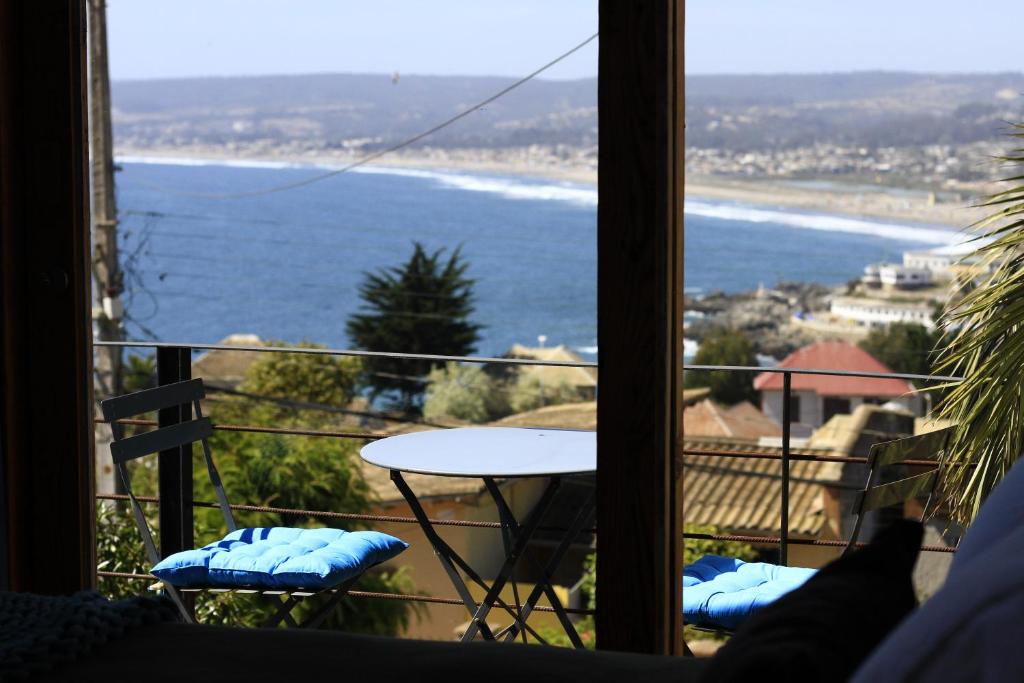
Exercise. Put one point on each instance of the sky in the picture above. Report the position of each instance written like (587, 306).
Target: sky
(800, 36)
(150, 39)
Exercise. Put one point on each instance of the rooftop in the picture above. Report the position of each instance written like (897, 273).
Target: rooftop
(835, 355)
(742, 420)
(555, 375)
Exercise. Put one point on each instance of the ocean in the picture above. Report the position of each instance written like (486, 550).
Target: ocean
(287, 265)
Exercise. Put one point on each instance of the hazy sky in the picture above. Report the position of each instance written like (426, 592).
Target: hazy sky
(772, 36)
(150, 39)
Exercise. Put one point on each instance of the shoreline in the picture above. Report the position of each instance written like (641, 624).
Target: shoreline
(885, 204)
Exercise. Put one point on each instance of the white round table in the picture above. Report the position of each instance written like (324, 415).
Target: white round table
(491, 453)
(500, 452)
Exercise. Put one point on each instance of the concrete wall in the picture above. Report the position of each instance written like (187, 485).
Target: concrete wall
(812, 408)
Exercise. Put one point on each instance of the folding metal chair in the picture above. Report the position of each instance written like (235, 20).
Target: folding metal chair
(932, 446)
(877, 494)
(124, 449)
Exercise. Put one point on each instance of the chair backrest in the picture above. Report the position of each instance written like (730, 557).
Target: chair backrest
(123, 449)
(932, 446)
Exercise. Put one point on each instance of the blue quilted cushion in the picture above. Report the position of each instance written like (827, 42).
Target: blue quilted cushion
(280, 557)
(721, 592)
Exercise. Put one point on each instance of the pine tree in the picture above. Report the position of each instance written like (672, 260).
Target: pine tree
(421, 306)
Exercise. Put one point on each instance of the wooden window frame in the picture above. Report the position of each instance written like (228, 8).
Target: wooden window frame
(45, 313)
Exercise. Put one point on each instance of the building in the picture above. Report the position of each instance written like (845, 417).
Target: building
(817, 398)
(939, 262)
(583, 380)
(896, 276)
(870, 312)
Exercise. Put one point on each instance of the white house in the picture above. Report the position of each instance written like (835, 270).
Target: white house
(869, 312)
(939, 262)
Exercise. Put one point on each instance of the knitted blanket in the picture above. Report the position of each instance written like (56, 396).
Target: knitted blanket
(38, 632)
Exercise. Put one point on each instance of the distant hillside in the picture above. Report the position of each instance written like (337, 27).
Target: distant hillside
(367, 111)
(352, 109)
(871, 109)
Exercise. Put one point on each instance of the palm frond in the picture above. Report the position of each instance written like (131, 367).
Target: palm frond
(985, 333)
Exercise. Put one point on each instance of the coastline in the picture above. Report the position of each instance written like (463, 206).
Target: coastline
(885, 204)
(859, 202)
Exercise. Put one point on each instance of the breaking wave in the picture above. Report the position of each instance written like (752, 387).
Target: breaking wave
(824, 222)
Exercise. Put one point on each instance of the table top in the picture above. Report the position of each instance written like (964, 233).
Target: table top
(487, 452)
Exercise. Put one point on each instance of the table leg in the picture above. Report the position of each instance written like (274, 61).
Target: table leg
(518, 546)
(544, 585)
(445, 553)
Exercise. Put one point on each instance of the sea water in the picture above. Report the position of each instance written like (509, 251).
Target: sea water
(288, 265)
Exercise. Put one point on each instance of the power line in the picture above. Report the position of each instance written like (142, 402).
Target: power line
(393, 148)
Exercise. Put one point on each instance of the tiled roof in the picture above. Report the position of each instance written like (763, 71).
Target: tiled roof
(582, 415)
(743, 495)
(742, 420)
(424, 485)
(835, 355)
(553, 375)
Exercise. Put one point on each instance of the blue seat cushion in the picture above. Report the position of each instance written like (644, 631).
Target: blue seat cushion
(720, 592)
(280, 558)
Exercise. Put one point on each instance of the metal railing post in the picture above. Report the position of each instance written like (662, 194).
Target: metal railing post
(787, 398)
(174, 364)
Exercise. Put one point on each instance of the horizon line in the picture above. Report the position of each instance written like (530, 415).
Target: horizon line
(728, 74)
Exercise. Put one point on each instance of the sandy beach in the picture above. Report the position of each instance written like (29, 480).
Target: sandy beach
(881, 204)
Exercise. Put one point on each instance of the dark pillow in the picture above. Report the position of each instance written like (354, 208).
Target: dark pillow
(823, 630)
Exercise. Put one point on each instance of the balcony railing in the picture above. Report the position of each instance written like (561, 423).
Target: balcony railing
(174, 363)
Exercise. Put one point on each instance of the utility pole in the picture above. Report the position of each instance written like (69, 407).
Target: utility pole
(108, 309)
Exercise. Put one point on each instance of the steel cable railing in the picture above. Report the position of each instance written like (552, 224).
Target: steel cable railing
(785, 455)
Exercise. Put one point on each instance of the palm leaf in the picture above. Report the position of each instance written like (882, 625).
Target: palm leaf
(985, 333)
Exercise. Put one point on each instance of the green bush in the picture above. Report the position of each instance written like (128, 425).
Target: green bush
(529, 393)
(464, 392)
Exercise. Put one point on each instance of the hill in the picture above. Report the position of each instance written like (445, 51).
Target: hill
(368, 111)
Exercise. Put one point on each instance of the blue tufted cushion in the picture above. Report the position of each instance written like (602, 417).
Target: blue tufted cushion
(721, 592)
(280, 557)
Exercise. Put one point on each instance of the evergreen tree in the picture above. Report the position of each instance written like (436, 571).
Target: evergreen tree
(723, 346)
(904, 347)
(421, 306)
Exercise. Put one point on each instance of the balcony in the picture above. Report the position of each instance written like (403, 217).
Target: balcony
(789, 504)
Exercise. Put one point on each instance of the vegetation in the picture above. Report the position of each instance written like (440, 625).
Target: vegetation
(464, 392)
(308, 378)
(421, 306)
(693, 550)
(473, 394)
(985, 332)
(139, 372)
(724, 346)
(529, 393)
(293, 472)
(904, 347)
